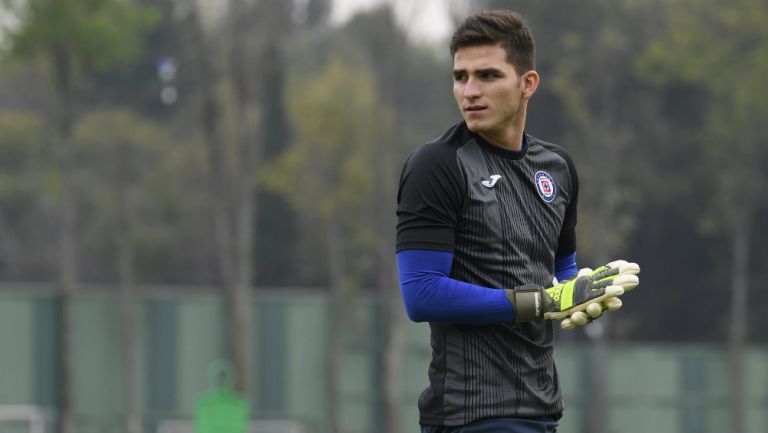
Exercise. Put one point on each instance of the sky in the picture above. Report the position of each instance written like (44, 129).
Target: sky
(428, 21)
(7, 21)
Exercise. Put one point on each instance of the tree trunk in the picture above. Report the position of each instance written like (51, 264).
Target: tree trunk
(598, 400)
(389, 294)
(393, 352)
(240, 300)
(337, 272)
(128, 328)
(125, 268)
(597, 407)
(605, 201)
(65, 400)
(63, 83)
(740, 231)
(220, 190)
(391, 85)
(245, 191)
(67, 284)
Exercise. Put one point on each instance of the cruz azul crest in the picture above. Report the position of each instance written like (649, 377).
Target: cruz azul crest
(545, 185)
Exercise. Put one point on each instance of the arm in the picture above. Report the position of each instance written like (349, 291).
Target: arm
(565, 267)
(431, 296)
(430, 199)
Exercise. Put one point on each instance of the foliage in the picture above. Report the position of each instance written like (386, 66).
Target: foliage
(121, 156)
(327, 171)
(660, 103)
(97, 33)
(25, 196)
(725, 53)
(324, 171)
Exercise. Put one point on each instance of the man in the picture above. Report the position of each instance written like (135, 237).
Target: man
(486, 221)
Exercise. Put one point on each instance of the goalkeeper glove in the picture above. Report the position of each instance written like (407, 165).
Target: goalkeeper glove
(594, 310)
(566, 299)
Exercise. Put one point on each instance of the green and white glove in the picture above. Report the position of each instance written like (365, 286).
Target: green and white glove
(595, 310)
(592, 312)
(570, 301)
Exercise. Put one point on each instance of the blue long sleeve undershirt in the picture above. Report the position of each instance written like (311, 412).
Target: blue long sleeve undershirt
(430, 295)
(565, 267)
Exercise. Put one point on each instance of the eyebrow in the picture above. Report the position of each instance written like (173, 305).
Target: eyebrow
(478, 71)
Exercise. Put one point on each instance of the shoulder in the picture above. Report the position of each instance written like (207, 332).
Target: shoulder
(551, 147)
(439, 154)
(557, 152)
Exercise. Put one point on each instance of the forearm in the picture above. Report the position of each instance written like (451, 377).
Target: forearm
(565, 267)
(430, 295)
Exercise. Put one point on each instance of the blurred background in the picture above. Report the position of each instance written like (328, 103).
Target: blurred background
(186, 181)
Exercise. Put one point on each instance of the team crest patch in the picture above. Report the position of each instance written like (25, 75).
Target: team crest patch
(545, 185)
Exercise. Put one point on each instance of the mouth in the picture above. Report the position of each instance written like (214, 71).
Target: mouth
(475, 108)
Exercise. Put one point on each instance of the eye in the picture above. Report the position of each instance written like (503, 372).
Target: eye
(489, 75)
(460, 77)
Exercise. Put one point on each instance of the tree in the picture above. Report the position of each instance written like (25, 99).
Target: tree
(395, 63)
(218, 160)
(116, 154)
(327, 174)
(74, 38)
(233, 95)
(724, 53)
(139, 83)
(25, 197)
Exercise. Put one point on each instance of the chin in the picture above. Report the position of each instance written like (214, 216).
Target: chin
(471, 124)
(475, 126)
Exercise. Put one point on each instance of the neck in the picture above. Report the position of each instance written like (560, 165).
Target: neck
(511, 137)
(511, 140)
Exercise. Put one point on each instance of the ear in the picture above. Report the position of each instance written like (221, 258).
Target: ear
(530, 82)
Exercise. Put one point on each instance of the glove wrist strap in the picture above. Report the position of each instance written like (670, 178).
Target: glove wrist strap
(527, 302)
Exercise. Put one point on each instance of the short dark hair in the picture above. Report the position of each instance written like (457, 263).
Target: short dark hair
(503, 27)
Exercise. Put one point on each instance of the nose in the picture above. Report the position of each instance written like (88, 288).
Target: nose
(472, 89)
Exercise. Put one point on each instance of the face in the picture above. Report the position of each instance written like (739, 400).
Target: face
(491, 95)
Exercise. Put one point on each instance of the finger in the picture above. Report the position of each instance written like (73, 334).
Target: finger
(595, 310)
(579, 318)
(609, 270)
(625, 267)
(613, 291)
(613, 304)
(567, 324)
(629, 268)
(584, 272)
(582, 298)
(628, 282)
(617, 264)
(614, 268)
